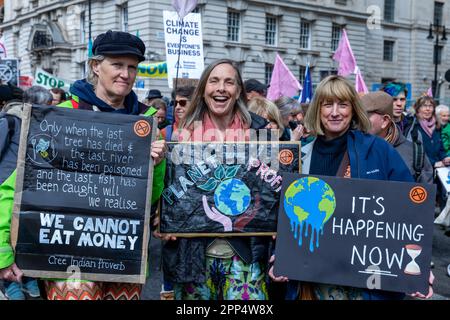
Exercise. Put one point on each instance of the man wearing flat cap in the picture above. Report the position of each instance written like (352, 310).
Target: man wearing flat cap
(379, 106)
(108, 88)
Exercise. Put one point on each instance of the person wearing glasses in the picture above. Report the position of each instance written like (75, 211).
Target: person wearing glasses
(399, 92)
(426, 124)
(181, 97)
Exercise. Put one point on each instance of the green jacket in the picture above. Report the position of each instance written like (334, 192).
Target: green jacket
(10, 122)
(445, 136)
(7, 199)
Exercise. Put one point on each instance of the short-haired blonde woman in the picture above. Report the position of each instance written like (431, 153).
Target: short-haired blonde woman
(269, 111)
(343, 148)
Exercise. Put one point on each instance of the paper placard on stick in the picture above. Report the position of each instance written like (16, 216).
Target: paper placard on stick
(367, 234)
(232, 189)
(76, 200)
(190, 49)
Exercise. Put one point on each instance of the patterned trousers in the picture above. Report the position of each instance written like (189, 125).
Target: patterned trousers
(88, 290)
(227, 279)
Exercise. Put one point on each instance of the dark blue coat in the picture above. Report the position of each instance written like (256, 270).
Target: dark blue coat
(370, 158)
(434, 148)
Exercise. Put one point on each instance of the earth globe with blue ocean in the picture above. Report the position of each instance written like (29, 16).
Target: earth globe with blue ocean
(309, 203)
(232, 197)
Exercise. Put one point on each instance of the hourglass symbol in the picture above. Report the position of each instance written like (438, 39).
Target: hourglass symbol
(413, 251)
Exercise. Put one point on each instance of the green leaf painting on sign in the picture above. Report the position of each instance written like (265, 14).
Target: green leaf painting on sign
(231, 171)
(219, 173)
(210, 185)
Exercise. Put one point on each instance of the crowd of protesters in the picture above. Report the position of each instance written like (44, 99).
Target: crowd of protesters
(335, 122)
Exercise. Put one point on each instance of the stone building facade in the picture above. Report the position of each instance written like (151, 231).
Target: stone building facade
(388, 37)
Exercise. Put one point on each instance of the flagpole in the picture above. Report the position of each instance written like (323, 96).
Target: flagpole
(90, 21)
(178, 67)
(179, 55)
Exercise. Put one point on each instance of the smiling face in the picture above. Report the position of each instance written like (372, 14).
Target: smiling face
(445, 116)
(116, 76)
(426, 111)
(182, 104)
(221, 91)
(336, 117)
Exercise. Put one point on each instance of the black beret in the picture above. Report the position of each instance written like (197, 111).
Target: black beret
(120, 44)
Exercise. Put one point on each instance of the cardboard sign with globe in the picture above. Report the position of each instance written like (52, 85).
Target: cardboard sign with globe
(367, 234)
(225, 189)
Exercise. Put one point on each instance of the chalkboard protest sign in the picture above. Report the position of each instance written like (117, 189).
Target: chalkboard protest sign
(361, 233)
(232, 189)
(83, 192)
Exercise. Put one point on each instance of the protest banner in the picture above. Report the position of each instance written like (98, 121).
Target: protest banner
(82, 197)
(9, 71)
(360, 233)
(184, 42)
(49, 81)
(157, 70)
(232, 189)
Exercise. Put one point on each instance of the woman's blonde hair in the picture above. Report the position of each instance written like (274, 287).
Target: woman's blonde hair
(198, 105)
(332, 88)
(262, 106)
(91, 77)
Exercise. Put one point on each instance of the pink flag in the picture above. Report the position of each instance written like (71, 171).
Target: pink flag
(283, 82)
(183, 7)
(344, 55)
(430, 92)
(360, 85)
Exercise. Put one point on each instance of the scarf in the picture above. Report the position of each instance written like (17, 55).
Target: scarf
(208, 131)
(428, 126)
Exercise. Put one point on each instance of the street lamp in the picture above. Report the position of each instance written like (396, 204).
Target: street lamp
(437, 29)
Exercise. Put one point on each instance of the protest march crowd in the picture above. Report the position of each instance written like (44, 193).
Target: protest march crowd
(342, 134)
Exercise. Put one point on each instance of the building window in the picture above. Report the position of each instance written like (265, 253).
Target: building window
(124, 17)
(233, 26)
(305, 35)
(271, 31)
(301, 71)
(335, 36)
(41, 40)
(389, 10)
(438, 12)
(341, 2)
(388, 50)
(268, 72)
(326, 73)
(82, 27)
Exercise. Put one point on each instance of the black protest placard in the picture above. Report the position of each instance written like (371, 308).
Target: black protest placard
(83, 193)
(215, 189)
(360, 233)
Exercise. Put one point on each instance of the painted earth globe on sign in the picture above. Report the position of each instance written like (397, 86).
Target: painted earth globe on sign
(309, 203)
(232, 197)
